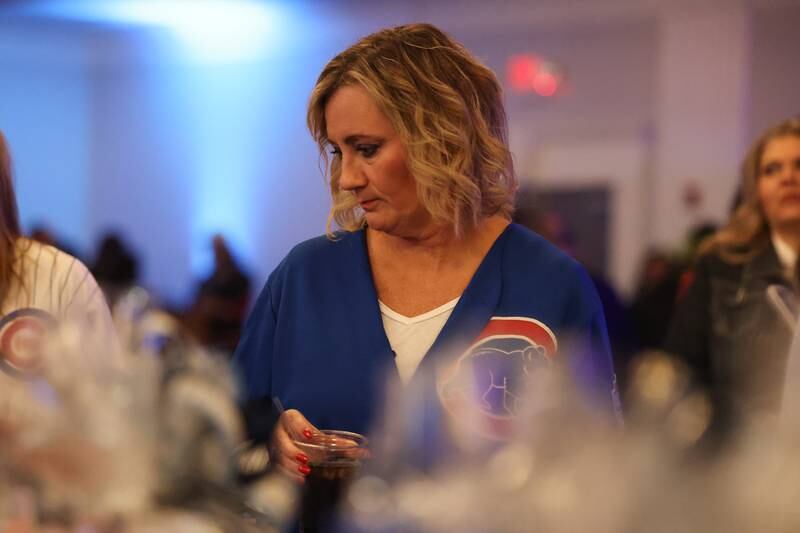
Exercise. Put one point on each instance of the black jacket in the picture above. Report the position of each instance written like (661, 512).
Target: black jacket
(731, 337)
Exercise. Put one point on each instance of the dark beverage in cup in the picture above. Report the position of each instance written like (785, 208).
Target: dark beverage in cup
(324, 488)
(334, 458)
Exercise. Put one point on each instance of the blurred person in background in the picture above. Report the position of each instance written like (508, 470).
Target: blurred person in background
(695, 237)
(41, 233)
(426, 262)
(40, 286)
(217, 314)
(653, 302)
(725, 329)
(664, 277)
(687, 255)
(115, 268)
(621, 334)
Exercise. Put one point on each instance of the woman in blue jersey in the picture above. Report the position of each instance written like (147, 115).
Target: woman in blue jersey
(424, 263)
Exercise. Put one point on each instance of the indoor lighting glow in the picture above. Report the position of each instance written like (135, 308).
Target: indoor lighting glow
(545, 84)
(529, 73)
(210, 29)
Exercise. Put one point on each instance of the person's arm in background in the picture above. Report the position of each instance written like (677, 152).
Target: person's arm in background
(688, 334)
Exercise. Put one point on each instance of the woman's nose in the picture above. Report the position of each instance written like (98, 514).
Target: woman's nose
(791, 174)
(351, 176)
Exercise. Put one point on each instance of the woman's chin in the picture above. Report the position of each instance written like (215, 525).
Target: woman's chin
(377, 222)
(788, 217)
(398, 224)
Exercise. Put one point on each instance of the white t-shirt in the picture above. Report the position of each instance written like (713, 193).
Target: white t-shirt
(412, 337)
(786, 255)
(53, 281)
(50, 288)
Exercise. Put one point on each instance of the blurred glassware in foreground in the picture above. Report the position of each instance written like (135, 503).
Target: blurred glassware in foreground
(143, 439)
(149, 439)
(566, 469)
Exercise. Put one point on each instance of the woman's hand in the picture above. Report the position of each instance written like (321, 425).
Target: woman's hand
(291, 426)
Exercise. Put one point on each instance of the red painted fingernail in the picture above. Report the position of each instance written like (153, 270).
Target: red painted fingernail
(304, 469)
(307, 433)
(303, 458)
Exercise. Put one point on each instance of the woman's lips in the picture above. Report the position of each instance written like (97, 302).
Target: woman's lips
(791, 198)
(366, 205)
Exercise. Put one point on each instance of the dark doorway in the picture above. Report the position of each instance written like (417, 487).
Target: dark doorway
(574, 218)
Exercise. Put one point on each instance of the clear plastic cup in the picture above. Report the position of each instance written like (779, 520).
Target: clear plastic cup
(335, 458)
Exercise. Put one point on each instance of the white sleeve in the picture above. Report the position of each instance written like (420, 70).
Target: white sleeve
(85, 305)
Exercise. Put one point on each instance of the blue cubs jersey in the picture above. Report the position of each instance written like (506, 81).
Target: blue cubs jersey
(315, 338)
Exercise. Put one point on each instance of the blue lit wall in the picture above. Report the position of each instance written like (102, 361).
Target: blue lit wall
(146, 133)
(45, 114)
(185, 146)
(170, 127)
(140, 157)
(184, 151)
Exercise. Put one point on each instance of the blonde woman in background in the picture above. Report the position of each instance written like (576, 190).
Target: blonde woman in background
(40, 287)
(725, 327)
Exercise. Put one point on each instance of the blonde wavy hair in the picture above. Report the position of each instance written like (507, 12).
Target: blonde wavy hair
(446, 107)
(747, 233)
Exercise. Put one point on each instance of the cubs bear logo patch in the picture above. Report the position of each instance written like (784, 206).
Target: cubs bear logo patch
(490, 377)
(22, 333)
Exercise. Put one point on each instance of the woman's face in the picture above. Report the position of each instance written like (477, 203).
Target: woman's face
(373, 163)
(779, 182)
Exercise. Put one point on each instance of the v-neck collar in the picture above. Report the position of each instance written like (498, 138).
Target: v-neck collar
(470, 315)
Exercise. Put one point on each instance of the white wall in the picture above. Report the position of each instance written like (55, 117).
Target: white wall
(776, 77)
(702, 113)
(619, 165)
(608, 88)
(598, 131)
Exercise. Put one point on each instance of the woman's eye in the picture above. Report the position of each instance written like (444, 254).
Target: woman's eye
(335, 151)
(770, 169)
(367, 150)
